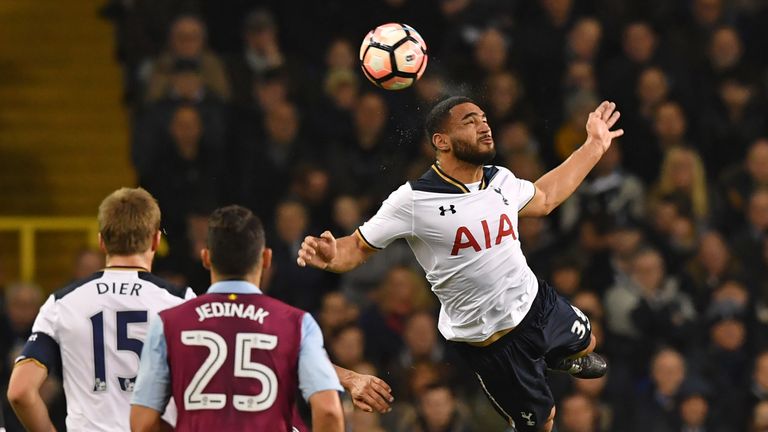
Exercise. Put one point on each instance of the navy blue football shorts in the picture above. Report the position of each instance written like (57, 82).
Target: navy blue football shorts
(512, 370)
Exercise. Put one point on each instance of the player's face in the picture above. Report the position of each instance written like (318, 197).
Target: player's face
(470, 135)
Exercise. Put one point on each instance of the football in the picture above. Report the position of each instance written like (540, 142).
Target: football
(393, 56)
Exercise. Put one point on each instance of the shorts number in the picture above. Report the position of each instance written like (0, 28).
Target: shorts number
(195, 399)
(579, 328)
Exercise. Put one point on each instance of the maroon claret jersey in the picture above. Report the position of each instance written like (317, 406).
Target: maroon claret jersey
(234, 362)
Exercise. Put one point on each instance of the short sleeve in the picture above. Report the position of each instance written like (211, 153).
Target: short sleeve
(316, 372)
(153, 385)
(524, 191)
(393, 220)
(42, 346)
(47, 318)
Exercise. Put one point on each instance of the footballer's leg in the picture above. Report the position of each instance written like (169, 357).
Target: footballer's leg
(571, 340)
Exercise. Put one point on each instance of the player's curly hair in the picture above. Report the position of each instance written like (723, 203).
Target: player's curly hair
(435, 121)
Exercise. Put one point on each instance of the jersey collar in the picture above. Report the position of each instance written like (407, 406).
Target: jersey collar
(234, 287)
(457, 184)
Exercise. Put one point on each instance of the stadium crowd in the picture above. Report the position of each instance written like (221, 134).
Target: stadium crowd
(664, 247)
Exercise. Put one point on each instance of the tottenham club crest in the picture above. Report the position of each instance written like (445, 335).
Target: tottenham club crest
(503, 198)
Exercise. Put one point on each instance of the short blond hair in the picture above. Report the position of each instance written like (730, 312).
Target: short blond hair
(128, 220)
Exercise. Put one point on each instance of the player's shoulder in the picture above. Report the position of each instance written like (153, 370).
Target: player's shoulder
(74, 285)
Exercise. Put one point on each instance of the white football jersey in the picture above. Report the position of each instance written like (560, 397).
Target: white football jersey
(467, 242)
(94, 330)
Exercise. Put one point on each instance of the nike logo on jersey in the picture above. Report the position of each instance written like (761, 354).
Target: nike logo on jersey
(450, 208)
(503, 198)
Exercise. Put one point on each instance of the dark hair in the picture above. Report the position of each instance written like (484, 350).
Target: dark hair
(235, 240)
(435, 121)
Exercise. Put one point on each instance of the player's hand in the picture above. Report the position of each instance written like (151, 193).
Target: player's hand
(600, 122)
(369, 393)
(317, 251)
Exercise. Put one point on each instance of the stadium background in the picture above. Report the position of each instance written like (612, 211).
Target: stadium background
(263, 103)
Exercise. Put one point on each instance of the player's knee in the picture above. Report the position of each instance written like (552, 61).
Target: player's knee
(550, 423)
(588, 349)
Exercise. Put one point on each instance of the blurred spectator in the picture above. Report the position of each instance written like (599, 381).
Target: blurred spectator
(504, 96)
(725, 361)
(740, 181)
(311, 186)
(577, 413)
(360, 285)
(606, 408)
(760, 417)
(670, 126)
(639, 49)
(401, 292)
(538, 242)
(653, 89)
(584, 40)
(271, 159)
(691, 36)
(346, 346)
(184, 179)
(656, 409)
(712, 265)
(647, 308)
(514, 138)
(579, 76)
(187, 40)
(141, 28)
(695, 413)
(334, 115)
(421, 344)
(87, 262)
(571, 134)
(22, 301)
(525, 164)
(299, 286)
(608, 190)
(335, 312)
(491, 56)
(748, 241)
(734, 120)
(758, 389)
(566, 276)
(367, 165)
(437, 410)
(682, 174)
(262, 53)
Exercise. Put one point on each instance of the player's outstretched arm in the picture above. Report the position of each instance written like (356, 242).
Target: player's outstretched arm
(328, 253)
(368, 392)
(558, 184)
(145, 419)
(327, 415)
(24, 396)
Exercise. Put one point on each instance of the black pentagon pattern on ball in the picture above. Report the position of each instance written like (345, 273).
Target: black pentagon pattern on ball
(391, 50)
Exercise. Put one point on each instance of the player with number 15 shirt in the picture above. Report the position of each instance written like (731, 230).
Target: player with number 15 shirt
(94, 329)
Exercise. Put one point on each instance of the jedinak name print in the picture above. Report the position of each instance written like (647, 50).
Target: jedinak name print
(239, 310)
(464, 238)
